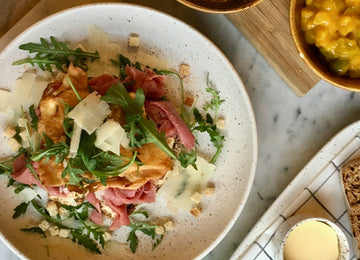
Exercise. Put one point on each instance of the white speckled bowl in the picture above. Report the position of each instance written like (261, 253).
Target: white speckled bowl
(175, 42)
(290, 224)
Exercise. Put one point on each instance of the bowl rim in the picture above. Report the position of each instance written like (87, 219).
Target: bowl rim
(218, 10)
(347, 83)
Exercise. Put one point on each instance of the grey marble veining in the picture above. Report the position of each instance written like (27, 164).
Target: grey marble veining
(290, 129)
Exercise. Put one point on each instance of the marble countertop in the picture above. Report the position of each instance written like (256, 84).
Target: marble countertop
(291, 129)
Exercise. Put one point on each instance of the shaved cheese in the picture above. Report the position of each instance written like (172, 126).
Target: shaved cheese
(110, 136)
(75, 141)
(181, 184)
(90, 113)
(27, 91)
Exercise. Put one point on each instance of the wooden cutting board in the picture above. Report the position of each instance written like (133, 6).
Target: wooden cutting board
(266, 26)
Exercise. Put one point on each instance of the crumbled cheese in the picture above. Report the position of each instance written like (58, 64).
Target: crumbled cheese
(209, 191)
(184, 69)
(54, 231)
(107, 236)
(9, 132)
(195, 211)
(110, 136)
(64, 232)
(196, 197)
(44, 225)
(159, 230)
(52, 208)
(14, 144)
(134, 40)
(22, 122)
(75, 141)
(220, 123)
(169, 225)
(90, 113)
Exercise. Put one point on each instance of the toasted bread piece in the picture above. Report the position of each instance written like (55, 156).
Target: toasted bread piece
(350, 176)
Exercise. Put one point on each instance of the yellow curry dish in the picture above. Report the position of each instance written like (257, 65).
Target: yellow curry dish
(333, 26)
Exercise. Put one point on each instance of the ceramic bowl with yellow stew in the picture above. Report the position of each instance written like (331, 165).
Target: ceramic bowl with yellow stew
(326, 34)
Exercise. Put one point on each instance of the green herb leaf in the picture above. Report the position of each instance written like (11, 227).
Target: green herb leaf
(142, 212)
(20, 187)
(215, 101)
(147, 230)
(137, 125)
(122, 62)
(20, 209)
(55, 53)
(59, 150)
(207, 125)
(33, 230)
(34, 117)
(187, 159)
(84, 240)
(73, 174)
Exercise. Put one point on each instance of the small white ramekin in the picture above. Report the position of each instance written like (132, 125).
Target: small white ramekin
(290, 224)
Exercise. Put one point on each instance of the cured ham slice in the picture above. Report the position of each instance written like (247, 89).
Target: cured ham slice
(96, 215)
(102, 83)
(117, 200)
(164, 114)
(22, 174)
(152, 84)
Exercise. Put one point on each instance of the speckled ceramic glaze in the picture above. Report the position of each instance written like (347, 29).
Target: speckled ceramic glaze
(174, 41)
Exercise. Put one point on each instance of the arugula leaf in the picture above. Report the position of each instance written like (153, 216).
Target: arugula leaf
(20, 187)
(207, 125)
(142, 212)
(20, 209)
(80, 235)
(187, 159)
(59, 150)
(84, 240)
(34, 117)
(122, 62)
(33, 230)
(147, 230)
(137, 125)
(110, 170)
(73, 174)
(6, 169)
(32, 170)
(55, 53)
(153, 136)
(215, 101)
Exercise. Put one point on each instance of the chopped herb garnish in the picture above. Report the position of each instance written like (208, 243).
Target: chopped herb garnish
(59, 150)
(207, 125)
(33, 230)
(20, 209)
(147, 230)
(34, 117)
(55, 53)
(122, 62)
(215, 101)
(187, 159)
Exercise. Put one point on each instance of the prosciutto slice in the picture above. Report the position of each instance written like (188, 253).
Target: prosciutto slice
(95, 216)
(102, 83)
(152, 84)
(22, 174)
(164, 114)
(117, 200)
